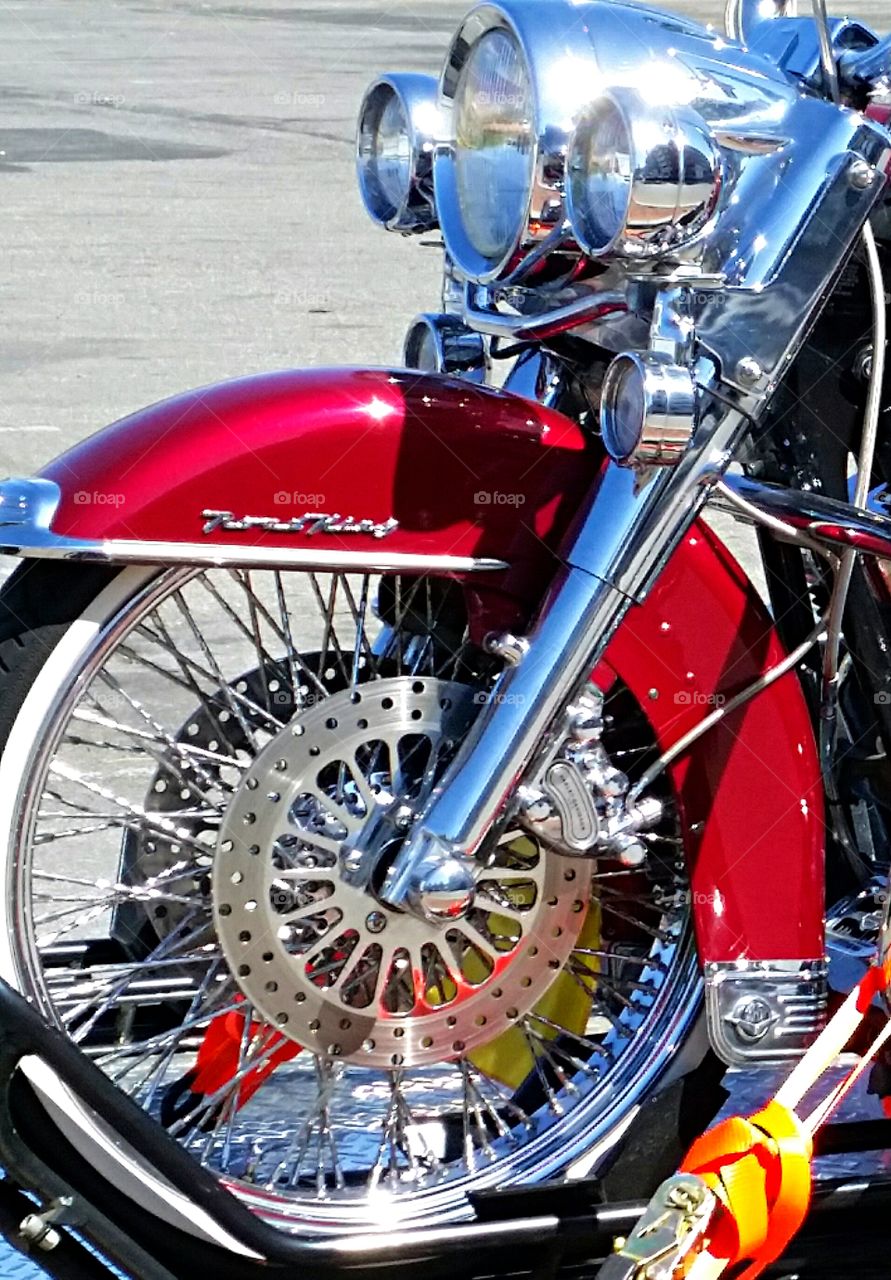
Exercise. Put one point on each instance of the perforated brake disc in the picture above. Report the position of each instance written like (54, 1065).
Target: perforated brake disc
(312, 948)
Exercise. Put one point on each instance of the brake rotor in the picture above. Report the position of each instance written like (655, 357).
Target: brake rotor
(312, 948)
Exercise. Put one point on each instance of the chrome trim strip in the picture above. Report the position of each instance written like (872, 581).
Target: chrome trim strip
(27, 507)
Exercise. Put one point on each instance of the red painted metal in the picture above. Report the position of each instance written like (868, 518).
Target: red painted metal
(750, 792)
(881, 112)
(453, 463)
(473, 471)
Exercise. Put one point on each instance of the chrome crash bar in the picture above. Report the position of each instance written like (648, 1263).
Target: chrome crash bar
(824, 522)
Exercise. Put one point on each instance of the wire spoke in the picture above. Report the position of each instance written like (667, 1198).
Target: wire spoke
(192, 682)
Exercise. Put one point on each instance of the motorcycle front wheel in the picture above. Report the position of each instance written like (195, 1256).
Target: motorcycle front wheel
(190, 759)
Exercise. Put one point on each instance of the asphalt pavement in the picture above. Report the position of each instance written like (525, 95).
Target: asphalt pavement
(179, 204)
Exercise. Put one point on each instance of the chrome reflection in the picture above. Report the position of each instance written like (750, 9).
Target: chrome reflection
(398, 129)
(443, 344)
(642, 179)
(648, 409)
(741, 17)
(513, 79)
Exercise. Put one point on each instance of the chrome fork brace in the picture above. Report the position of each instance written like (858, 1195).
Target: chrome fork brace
(618, 546)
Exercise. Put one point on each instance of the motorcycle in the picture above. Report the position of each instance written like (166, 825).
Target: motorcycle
(405, 794)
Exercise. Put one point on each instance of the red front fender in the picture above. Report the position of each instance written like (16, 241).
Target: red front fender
(452, 464)
(473, 472)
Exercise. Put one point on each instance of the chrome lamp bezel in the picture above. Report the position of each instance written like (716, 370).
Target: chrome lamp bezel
(667, 396)
(418, 98)
(459, 351)
(665, 142)
(563, 75)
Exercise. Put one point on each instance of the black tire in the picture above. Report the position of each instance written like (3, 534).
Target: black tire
(38, 602)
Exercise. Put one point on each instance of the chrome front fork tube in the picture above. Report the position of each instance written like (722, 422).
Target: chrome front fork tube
(620, 543)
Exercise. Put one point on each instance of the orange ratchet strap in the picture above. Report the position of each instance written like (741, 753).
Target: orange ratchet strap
(231, 1053)
(222, 1052)
(744, 1187)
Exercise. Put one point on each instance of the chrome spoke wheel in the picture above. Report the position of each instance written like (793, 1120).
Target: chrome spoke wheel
(206, 792)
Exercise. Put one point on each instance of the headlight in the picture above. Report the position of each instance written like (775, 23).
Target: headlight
(442, 344)
(514, 77)
(494, 144)
(641, 180)
(647, 410)
(394, 151)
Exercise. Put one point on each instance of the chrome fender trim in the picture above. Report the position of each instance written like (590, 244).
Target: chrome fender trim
(764, 1011)
(27, 508)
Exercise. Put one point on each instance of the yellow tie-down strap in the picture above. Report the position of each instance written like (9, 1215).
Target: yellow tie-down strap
(509, 1058)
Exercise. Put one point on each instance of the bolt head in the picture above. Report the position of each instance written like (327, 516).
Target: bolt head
(861, 175)
(749, 371)
(403, 818)
(585, 724)
(631, 852)
(537, 807)
(375, 922)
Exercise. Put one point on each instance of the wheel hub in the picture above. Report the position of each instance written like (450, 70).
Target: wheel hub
(298, 858)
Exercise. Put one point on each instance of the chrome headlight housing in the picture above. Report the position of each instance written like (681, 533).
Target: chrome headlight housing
(641, 180)
(647, 410)
(513, 79)
(741, 17)
(442, 344)
(395, 144)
